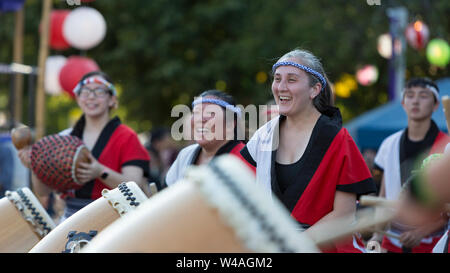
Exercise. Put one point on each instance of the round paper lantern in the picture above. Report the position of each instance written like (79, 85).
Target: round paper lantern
(84, 28)
(53, 67)
(417, 35)
(72, 72)
(57, 40)
(384, 46)
(367, 75)
(438, 52)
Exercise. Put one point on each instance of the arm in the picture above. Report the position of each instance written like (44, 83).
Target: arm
(377, 236)
(344, 205)
(93, 170)
(41, 190)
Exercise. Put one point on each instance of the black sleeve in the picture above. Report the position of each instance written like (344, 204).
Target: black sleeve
(246, 155)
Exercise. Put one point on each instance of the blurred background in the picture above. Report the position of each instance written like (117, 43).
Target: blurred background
(161, 53)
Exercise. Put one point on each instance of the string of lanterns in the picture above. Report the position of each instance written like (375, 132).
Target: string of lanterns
(81, 28)
(417, 35)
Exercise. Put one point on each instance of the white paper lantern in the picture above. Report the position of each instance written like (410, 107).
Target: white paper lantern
(53, 66)
(84, 28)
(384, 46)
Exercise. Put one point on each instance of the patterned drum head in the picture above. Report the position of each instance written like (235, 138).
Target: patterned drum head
(54, 160)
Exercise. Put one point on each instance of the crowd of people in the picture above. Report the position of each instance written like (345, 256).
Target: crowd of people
(302, 155)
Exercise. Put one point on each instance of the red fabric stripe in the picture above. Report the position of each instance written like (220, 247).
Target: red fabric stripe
(342, 164)
(236, 151)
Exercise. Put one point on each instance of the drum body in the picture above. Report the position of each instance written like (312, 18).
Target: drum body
(77, 230)
(55, 158)
(18, 232)
(201, 214)
(177, 219)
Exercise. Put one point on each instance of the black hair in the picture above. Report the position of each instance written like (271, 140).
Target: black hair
(158, 133)
(219, 94)
(421, 82)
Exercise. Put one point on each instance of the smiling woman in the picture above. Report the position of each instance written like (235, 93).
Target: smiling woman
(215, 122)
(304, 157)
(116, 155)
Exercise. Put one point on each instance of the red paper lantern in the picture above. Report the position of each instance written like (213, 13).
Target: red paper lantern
(72, 72)
(57, 40)
(417, 34)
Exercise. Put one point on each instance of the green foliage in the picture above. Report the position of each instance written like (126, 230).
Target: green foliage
(165, 52)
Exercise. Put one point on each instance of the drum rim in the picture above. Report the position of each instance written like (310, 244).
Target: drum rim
(31, 210)
(127, 196)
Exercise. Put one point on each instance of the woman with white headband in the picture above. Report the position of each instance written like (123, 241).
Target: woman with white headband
(116, 153)
(304, 157)
(215, 122)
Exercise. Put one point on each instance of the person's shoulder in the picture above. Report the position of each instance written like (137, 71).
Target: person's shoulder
(123, 128)
(66, 132)
(188, 149)
(392, 137)
(267, 127)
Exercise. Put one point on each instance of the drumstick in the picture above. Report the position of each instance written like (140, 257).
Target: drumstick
(21, 137)
(336, 229)
(446, 106)
(368, 200)
(388, 234)
(153, 188)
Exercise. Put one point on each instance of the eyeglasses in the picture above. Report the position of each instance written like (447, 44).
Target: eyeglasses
(98, 92)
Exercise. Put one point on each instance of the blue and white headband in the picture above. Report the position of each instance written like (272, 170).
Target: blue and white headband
(95, 79)
(219, 102)
(304, 68)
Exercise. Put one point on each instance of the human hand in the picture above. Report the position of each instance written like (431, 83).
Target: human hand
(89, 171)
(25, 156)
(411, 238)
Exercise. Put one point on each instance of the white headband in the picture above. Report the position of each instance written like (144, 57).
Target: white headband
(431, 88)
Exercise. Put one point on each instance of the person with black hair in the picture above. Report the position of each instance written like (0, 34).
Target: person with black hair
(304, 157)
(116, 152)
(400, 153)
(215, 122)
(163, 153)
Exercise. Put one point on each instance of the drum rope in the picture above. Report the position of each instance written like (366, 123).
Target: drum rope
(265, 225)
(128, 194)
(36, 219)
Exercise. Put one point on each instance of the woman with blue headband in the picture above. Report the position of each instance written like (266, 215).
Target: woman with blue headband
(116, 152)
(215, 122)
(304, 157)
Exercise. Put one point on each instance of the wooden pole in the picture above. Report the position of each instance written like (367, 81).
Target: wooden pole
(43, 53)
(18, 58)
